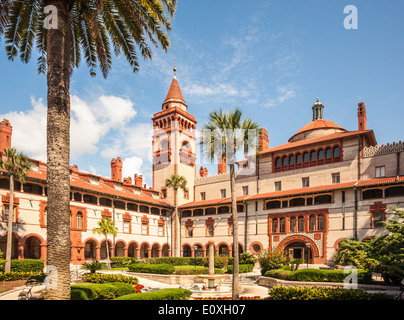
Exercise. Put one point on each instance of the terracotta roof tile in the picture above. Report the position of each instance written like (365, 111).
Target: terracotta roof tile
(174, 93)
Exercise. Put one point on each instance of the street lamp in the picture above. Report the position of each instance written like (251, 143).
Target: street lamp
(308, 248)
(195, 248)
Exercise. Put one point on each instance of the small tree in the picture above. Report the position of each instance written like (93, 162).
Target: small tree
(16, 165)
(176, 182)
(272, 259)
(106, 227)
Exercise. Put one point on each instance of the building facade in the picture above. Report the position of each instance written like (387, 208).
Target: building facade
(324, 185)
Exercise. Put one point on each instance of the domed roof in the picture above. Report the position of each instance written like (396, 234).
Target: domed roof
(315, 125)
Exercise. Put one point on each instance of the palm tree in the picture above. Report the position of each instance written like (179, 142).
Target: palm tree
(176, 182)
(223, 135)
(106, 227)
(16, 165)
(85, 29)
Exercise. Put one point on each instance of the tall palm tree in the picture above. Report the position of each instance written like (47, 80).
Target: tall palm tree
(176, 182)
(16, 165)
(87, 29)
(106, 227)
(223, 136)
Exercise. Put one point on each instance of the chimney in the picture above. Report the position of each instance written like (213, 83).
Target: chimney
(222, 166)
(203, 172)
(127, 180)
(138, 180)
(362, 119)
(263, 140)
(5, 135)
(116, 169)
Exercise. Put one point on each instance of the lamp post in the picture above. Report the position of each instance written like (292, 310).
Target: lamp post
(195, 248)
(308, 248)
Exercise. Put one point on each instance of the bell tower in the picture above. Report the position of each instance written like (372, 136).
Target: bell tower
(174, 152)
(174, 144)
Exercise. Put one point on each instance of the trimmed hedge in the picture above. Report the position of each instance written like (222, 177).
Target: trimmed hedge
(278, 274)
(152, 268)
(198, 270)
(298, 293)
(175, 261)
(24, 265)
(242, 268)
(164, 294)
(108, 277)
(12, 276)
(122, 262)
(100, 291)
(318, 275)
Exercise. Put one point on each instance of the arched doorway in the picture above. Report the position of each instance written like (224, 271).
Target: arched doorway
(223, 249)
(32, 248)
(299, 250)
(165, 250)
(155, 250)
(186, 251)
(132, 248)
(103, 250)
(120, 249)
(14, 247)
(90, 250)
(144, 250)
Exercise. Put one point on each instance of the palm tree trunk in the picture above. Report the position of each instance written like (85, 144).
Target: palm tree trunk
(107, 248)
(176, 227)
(10, 226)
(58, 151)
(236, 286)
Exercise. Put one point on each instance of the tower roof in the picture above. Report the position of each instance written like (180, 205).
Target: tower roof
(174, 93)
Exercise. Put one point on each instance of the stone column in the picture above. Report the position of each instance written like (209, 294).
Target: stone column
(211, 257)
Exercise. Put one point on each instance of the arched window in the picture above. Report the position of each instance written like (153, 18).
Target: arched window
(312, 223)
(291, 159)
(79, 220)
(313, 156)
(300, 224)
(282, 225)
(336, 152)
(277, 162)
(328, 153)
(293, 224)
(320, 222)
(275, 225)
(305, 157)
(284, 161)
(320, 154)
(298, 158)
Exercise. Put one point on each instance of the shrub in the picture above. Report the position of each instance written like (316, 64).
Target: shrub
(198, 270)
(123, 262)
(92, 266)
(278, 273)
(272, 259)
(175, 261)
(318, 275)
(92, 291)
(297, 293)
(164, 294)
(109, 277)
(152, 268)
(248, 258)
(12, 276)
(25, 265)
(242, 268)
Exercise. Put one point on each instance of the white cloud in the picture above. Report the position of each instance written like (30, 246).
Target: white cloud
(90, 122)
(285, 94)
(131, 165)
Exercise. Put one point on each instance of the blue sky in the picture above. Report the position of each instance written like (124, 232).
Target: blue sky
(272, 59)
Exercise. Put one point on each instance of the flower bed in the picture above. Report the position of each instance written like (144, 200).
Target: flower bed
(229, 298)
